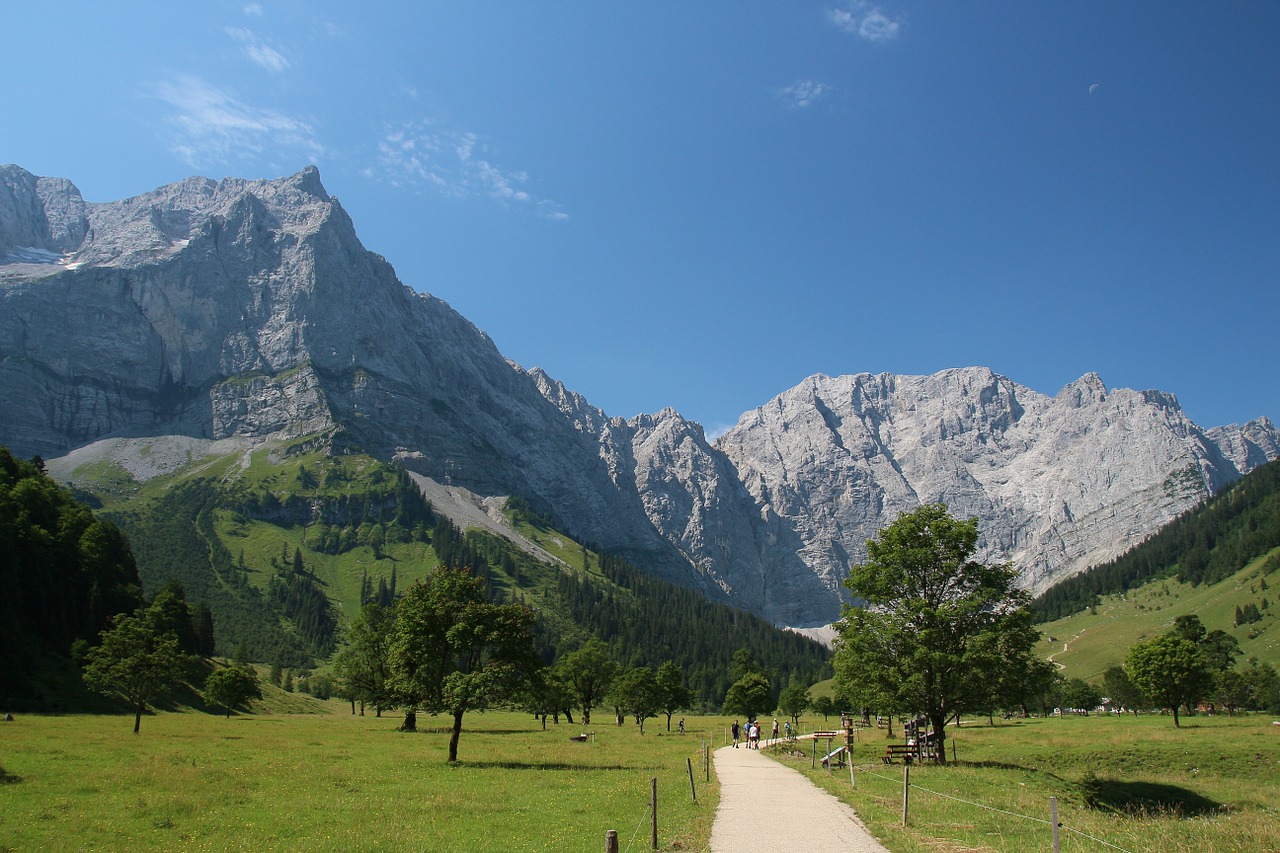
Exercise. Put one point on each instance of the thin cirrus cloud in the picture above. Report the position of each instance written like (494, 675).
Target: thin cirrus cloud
(865, 20)
(259, 52)
(802, 94)
(453, 163)
(211, 127)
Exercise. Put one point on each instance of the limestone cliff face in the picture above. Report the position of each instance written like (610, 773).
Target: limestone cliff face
(1059, 483)
(249, 310)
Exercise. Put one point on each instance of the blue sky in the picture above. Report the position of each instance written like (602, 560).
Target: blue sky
(698, 205)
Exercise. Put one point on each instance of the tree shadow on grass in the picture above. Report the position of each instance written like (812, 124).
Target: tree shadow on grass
(542, 765)
(1146, 798)
(996, 765)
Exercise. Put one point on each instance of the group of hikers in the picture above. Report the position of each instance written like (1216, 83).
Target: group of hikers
(752, 732)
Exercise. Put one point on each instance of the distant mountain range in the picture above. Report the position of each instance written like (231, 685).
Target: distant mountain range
(249, 309)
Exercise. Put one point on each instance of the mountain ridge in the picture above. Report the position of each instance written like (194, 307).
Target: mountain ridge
(250, 310)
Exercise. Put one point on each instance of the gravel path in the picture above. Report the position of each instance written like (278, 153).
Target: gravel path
(766, 807)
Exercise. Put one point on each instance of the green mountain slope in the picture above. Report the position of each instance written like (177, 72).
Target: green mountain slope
(1220, 562)
(1089, 642)
(1206, 545)
(283, 544)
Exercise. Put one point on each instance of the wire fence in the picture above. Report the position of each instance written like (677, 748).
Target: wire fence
(862, 770)
(702, 757)
(699, 757)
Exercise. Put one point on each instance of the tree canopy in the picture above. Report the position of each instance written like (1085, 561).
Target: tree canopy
(751, 695)
(138, 660)
(231, 687)
(588, 671)
(453, 651)
(939, 627)
(1169, 669)
(63, 572)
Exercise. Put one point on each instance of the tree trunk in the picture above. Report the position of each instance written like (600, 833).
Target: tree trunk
(1176, 725)
(586, 716)
(668, 723)
(454, 735)
(544, 722)
(939, 725)
(568, 717)
(410, 723)
(137, 717)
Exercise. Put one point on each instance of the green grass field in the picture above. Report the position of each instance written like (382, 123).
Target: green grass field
(1212, 786)
(336, 782)
(333, 781)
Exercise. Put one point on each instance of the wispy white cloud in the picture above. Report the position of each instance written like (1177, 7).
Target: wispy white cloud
(212, 127)
(866, 20)
(259, 52)
(454, 163)
(253, 10)
(802, 94)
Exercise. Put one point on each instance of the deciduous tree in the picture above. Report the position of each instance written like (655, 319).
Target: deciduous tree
(453, 651)
(636, 693)
(137, 661)
(231, 686)
(930, 638)
(364, 666)
(672, 693)
(1170, 669)
(590, 671)
(793, 701)
(751, 695)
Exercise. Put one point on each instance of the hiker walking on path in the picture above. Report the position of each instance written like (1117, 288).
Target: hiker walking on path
(736, 731)
(816, 821)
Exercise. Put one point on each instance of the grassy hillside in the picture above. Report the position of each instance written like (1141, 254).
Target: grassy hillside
(284, 544)
(1089, 642)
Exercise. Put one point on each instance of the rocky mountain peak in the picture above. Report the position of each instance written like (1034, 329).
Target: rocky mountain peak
(249, 310)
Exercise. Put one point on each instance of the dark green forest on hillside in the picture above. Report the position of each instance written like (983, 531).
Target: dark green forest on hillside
(64, 572)
(1202, 546)
(659, 621)
(273, 606)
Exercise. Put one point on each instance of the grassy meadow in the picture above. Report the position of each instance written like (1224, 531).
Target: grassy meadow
(337, 782)
(1212, 786)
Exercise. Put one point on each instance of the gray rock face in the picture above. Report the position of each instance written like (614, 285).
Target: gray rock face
(249, 310)
(1059, 483)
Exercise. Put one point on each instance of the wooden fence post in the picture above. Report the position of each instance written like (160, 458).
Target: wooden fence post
(906, 789)
(611, 841)
(1053, 819)
(653, 806)
(692, 790)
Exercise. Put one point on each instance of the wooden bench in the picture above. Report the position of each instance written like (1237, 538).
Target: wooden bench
(907, 752)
